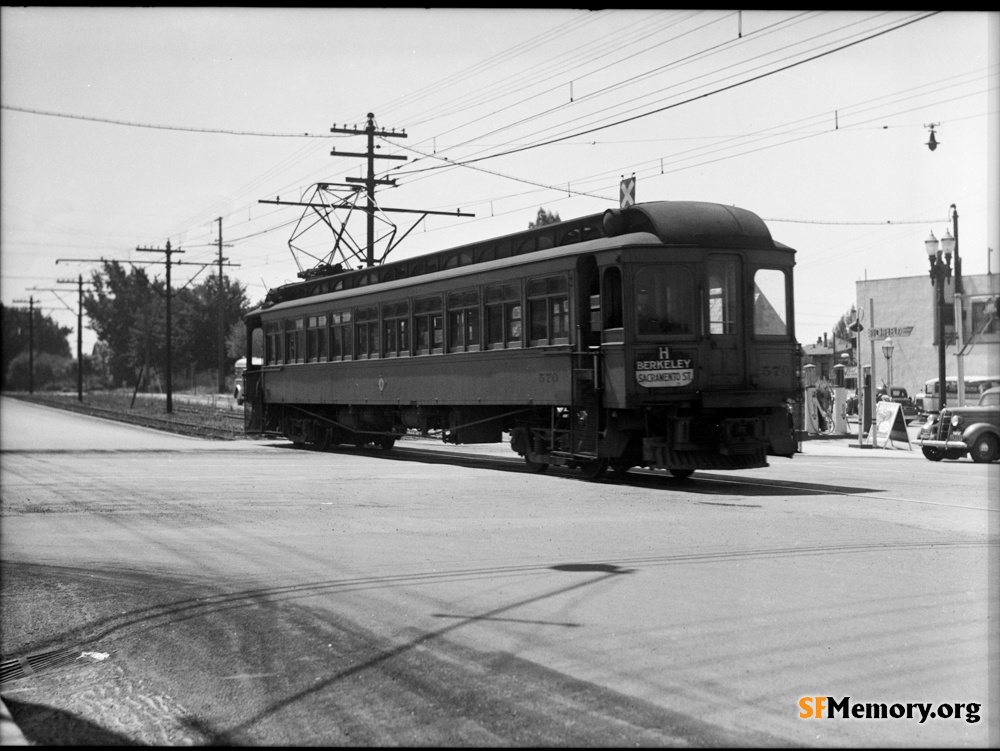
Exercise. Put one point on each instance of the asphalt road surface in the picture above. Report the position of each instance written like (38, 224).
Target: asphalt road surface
(166, 590)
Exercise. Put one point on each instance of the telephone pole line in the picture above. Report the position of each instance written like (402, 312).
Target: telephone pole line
(169, 251)
(221, 379)
(79, 334)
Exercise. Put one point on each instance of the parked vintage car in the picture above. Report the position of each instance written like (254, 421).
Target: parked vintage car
(898, 394)
(895, 394)
(958, 431)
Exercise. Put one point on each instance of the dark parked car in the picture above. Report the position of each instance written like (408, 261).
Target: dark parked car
(895, 393)
(958, 431)
(898, 394)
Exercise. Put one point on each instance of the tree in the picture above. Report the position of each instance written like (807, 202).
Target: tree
(544, 217)
(128, 312)
(49, 337)
(48, 371)
(196, 327)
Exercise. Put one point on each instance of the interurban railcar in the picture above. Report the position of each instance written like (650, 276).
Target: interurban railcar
(661, 335)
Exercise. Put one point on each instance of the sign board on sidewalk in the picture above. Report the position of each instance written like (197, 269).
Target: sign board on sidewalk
(888, 426)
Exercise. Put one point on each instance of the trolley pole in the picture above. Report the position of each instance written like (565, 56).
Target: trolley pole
(169, 251)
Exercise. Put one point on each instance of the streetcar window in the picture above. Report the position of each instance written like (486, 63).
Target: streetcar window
(316, 339)
(611, 303)
(295, 335)
(341, 335)
(463, 321)
(366, 338)
(664, 300)
(548, 311)
(722, 296)
(458, 259)
(272, 343)
(396, 328)
(428, 325)
(503, 316)
(770, 311)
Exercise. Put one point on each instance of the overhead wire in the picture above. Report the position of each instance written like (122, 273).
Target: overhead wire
(588, 129)
(450, 164)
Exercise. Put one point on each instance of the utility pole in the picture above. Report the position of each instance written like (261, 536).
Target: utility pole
(169, 252)
(323, 208)
(31, 342)
(369, 182)
(79, 326)
(221, 379)
(79, 335)
(125, 260)
(959, 313)
(79, 341)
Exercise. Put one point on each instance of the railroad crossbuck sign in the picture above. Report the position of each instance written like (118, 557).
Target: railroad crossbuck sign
(627, 191)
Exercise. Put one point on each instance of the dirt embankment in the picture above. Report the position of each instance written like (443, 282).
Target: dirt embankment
(204, 415)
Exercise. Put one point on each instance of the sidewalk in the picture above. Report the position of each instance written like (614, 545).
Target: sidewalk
(847, 444)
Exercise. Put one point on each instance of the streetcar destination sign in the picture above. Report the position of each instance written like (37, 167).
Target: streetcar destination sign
(665, 371)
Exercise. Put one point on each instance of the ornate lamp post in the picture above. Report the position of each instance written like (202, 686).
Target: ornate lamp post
(887, 346)
(940, 270)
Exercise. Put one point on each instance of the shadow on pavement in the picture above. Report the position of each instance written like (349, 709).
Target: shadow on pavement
(45, 726)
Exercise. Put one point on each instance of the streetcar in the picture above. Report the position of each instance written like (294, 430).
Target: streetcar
(660, 335)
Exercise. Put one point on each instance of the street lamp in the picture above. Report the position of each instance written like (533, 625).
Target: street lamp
(940, 270)
(887, 347)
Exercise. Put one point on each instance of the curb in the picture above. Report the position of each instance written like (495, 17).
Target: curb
(10, 733)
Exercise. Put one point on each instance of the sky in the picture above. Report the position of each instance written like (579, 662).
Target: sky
(124, 128)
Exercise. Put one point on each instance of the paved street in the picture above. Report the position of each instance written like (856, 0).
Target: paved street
(249, 593)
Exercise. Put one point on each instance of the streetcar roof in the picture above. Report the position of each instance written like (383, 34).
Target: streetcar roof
(589, 246)
(671, 223)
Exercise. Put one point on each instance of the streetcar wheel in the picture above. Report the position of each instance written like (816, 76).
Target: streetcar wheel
(682, 474)
(594, 470)
(386, 442)
(536, 468)
(985, 449)
(933, 453)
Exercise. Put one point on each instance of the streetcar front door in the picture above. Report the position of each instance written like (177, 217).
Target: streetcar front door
(725, 324)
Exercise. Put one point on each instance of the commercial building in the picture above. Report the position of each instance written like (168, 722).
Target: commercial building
(905, 310)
